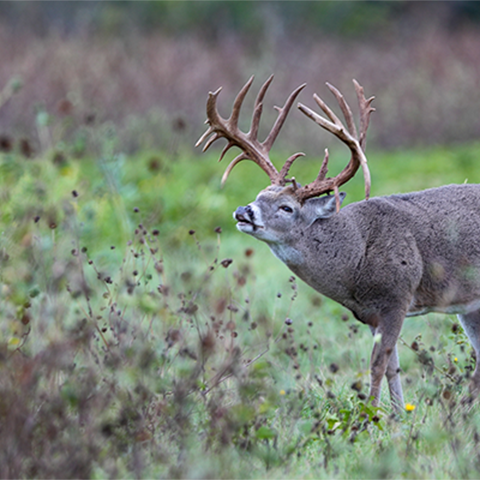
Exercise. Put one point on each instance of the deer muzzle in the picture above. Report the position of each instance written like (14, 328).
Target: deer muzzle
(245, 216)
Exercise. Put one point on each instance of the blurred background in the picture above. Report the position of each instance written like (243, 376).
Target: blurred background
(146, 67)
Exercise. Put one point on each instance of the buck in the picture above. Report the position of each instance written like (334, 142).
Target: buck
(382, 258)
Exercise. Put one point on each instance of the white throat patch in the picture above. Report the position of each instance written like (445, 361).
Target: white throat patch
(287, 254)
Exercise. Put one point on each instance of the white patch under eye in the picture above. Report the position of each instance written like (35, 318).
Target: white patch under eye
(257, 215)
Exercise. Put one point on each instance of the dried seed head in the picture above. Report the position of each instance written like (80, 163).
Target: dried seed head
(173, 336)
(357, 386)
(64, 107)
(334, 368)
(208, 342)
(25, 148)
(6, 143)
(226, 263)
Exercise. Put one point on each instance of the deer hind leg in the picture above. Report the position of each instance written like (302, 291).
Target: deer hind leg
(471, 324)
(384, 360)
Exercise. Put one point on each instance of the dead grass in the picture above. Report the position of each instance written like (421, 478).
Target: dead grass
(151, 85)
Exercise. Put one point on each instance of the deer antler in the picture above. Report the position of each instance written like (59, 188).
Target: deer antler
(348, 135)
(248, 142)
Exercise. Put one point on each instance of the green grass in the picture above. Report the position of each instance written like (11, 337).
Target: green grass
(130, 347)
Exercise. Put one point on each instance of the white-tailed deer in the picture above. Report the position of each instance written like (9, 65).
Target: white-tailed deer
(383, 259)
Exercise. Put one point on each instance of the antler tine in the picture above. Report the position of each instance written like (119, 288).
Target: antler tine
(211, 140)
(366, 176)
(365, 111)
(323, 122)
(204, 136)
(237, 104)
(347, 112)
(213, 118)
(335, 121)
(282, 115)
(212, 115)
(232, 164)
(289, 162)
(257, 111)
(349, 136)
(226, 148)
(324, 168)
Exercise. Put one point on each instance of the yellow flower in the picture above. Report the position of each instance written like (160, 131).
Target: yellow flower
(409, 407)
(455, 359)
(282, 392)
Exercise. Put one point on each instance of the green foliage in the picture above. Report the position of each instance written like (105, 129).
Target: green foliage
(250, 20)
(246, 19)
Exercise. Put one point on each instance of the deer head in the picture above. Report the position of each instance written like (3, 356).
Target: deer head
(285, 203)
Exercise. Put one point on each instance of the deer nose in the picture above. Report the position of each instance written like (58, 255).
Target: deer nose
(244, 214)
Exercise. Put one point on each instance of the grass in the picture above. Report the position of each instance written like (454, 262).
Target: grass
(143, 336)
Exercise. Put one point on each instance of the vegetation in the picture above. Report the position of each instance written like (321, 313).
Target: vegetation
(143, 336)
(215, 21)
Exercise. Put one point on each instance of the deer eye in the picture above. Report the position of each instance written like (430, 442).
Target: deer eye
(286, 208)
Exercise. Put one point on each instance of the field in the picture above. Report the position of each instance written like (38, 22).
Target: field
(143, 336)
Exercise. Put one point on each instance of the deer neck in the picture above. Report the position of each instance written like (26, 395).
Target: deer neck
(290, 255)
(333, 246)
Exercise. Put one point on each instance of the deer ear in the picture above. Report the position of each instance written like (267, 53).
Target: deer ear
(323, 207)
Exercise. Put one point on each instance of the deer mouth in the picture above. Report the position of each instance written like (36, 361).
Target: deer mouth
(242, 219)
(245, 217)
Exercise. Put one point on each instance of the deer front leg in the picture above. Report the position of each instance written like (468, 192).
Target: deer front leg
(384, 360)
